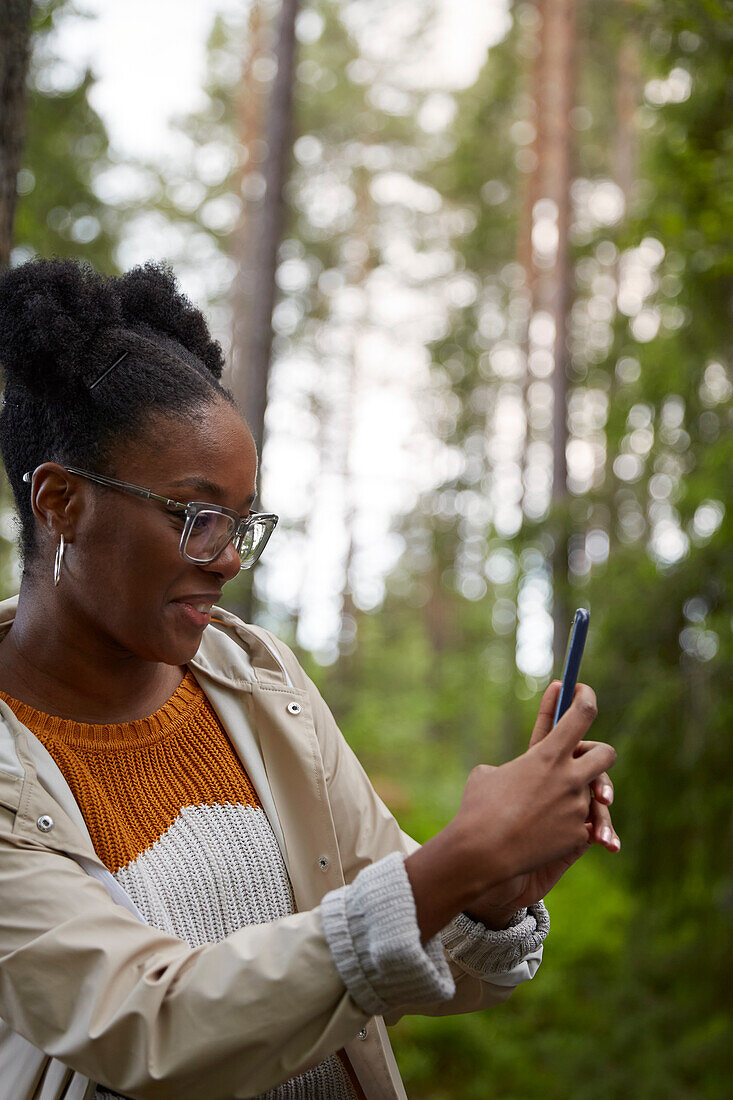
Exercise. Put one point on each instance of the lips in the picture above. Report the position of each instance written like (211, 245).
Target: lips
(196, 609)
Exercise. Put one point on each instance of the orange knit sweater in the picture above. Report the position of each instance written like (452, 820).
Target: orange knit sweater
(131, 780)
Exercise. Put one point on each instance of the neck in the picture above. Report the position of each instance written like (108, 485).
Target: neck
(58, 662)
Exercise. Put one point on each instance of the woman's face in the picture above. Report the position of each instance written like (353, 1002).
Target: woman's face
(123, 577)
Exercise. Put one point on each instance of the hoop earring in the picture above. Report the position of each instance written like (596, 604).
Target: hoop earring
(58, 560)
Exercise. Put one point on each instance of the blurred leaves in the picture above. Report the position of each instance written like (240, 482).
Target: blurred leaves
(633, 997)
(59, 212)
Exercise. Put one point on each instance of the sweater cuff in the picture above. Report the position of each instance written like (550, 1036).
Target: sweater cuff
(372, 932)
(484, 951)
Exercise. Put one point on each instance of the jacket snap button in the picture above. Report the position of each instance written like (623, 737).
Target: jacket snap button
(45, 823)
(362, 1034)
(323, 863)
(294, 708)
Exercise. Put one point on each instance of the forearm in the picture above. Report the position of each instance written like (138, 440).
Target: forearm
(486, 965)
(372, 930)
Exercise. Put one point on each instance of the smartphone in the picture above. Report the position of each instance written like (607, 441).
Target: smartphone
(576, 642)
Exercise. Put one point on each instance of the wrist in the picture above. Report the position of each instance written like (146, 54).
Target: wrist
(495, 917)
(445, 878)
(478, 863)
(463, 866)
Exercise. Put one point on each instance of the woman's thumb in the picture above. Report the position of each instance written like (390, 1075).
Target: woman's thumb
(543, 725)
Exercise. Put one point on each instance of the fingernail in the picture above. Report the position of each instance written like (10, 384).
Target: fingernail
(616, 844)
(607, 794)
(606, 835)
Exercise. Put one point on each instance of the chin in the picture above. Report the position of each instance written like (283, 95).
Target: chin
(180, 654)
(170, 650)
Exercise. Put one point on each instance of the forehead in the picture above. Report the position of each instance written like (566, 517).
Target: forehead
(212, 444)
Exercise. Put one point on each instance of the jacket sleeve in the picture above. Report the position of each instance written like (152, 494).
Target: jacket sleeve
(139, 1010)
(473, 952)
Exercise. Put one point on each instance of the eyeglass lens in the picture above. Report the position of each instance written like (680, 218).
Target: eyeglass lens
(209, 532)
(253, 541)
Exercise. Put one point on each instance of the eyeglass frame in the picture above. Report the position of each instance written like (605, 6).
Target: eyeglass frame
(190, 511)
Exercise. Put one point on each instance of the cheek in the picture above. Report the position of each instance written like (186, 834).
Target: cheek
(125, 575)
(130, 563)
(132, 605)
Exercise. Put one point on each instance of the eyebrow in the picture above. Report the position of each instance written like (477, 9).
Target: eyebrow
(206, 487)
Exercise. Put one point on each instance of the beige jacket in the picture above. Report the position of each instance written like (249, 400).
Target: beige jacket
(89, 993)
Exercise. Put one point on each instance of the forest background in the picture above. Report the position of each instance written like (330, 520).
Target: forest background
(527, 284)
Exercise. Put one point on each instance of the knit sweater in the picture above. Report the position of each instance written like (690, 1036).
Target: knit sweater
(173, 815)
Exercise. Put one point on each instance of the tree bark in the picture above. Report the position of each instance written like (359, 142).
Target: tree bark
(553, 286)
(258, 237)
(627, 98)
(530, 184)
(529, 188)
(529, 193)
(250, 123)
(15, 19)
(359, 272)
(258, 294)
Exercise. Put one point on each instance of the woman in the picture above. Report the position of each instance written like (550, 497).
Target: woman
(202, 895)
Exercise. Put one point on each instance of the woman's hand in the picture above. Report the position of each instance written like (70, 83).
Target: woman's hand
(497, 905)
(526, 820)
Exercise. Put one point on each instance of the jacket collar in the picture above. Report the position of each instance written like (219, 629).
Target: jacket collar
(252, 691)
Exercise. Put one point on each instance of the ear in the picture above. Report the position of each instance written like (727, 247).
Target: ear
(56, 499)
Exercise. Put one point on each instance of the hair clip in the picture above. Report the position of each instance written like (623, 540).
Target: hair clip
(103, 376)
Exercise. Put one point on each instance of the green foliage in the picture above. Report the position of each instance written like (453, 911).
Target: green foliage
(632, 998)
(522, 1048)
(66, 147)
(59, 214)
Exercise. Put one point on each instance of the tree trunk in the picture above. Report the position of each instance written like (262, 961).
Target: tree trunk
(15, 18)
(359, 272)
(250, 122)
(627, 98)
(553, 289)
(258, 292)
(530, 184)
(258, 236)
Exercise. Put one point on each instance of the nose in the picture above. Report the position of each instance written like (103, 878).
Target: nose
(226, 564)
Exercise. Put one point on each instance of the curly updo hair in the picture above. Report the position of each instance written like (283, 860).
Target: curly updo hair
(62, 327)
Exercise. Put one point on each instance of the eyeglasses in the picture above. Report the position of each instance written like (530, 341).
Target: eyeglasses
(207, 528)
